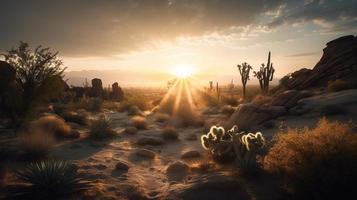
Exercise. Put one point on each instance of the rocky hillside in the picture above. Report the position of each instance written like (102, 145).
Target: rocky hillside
(339, 61)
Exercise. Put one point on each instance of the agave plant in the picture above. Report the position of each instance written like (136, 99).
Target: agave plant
(51, 179)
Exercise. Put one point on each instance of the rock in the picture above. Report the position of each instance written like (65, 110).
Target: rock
(248, 115)
(150, 141)
(177, 167)
(122, 166)
(117, 93)
(145, 153)
(97, 88)
(131, 130)
(191, 137)
(289, 98)
(191, 154)
(73, 134)
(339, 61)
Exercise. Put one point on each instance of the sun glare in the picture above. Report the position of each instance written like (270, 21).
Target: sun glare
(183, 70)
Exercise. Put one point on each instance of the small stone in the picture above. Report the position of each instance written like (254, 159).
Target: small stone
(191, 137)
(145, 153)
(191, 154)
(150, 141)
(131, 130)
(122, 166)
(177, 167)
(100, 166)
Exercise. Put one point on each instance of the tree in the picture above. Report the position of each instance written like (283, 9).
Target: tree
(265, 75)
(36, 71)
(244, 71)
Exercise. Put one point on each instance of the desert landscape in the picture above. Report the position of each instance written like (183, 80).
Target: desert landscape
(262, 137)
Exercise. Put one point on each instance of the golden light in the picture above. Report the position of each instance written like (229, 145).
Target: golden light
(183, 71)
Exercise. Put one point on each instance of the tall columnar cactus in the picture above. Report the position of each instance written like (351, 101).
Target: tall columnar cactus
(218, 92)
(244, 71)
(210, 86)
(265, 75)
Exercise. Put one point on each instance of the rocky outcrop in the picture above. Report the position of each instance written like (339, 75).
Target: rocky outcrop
(289, 98)
(97, 88)
(249, 115)
(117, 93)
(339, 61)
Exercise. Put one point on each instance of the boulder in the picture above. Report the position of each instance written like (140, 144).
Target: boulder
(289, 98)
(145, 153)
(97, 88)
(339, 61)
(153, 141)
(122, 166)
(249, 115)
(117, 93)
(131, 130)
(191, 154)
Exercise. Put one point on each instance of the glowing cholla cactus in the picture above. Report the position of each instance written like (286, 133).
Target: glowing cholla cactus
(252, 140)
(217, 141)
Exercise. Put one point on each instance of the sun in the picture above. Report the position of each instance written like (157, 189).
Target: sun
(183, 71)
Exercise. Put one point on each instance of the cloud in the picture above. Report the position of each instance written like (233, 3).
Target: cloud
(328, 14)
(104, 28)
(303, 54)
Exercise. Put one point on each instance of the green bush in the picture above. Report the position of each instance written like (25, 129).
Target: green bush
(50, 179)
(318, 163)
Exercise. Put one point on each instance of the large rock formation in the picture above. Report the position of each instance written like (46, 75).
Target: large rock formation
(117, 93)
(339, 61)
(97, 88)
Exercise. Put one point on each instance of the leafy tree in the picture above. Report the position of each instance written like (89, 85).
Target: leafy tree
(36, 71)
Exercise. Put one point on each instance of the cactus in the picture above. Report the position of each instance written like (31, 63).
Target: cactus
(265, 75)
(218, 92)
(244, 71)
(243, 146)
(210, 86)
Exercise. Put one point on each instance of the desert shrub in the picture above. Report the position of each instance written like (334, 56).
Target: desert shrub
(52, 124)
(50, 179)
(37, 144)
(95, 104)
(225, 146)
(318, 163)
(139, 101)
(100, 128)
(79, 118)
(162, 117)
(110, 105)
(169, 133)
(227, 110)
(261, 99)
(139, 122)
(338, 85)
(209, 100)
(231, 101)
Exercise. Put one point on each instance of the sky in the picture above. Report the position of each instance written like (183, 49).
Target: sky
(141, 42)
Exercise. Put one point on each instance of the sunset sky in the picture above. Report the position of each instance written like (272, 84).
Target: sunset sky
(138, 42)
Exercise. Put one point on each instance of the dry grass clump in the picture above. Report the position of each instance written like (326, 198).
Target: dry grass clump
(162, 117)
(110, 105)
(139, 122)
(79, 118)
(317, 163)
(338, 85)
(261, 99)
(52, 124)
(100, 128)
(227, 110)
(37, 144)
(169, 133)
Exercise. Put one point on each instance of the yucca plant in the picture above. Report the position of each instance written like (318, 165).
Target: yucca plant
(50, 179)
(100, 128)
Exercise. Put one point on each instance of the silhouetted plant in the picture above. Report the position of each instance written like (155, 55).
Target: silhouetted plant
(38, 72)
(317, 163)
(50, 179)
(244, 71)
(100, 128)
(265, 75)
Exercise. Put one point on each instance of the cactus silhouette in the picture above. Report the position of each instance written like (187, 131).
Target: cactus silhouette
(265, 75)
(244, 71)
